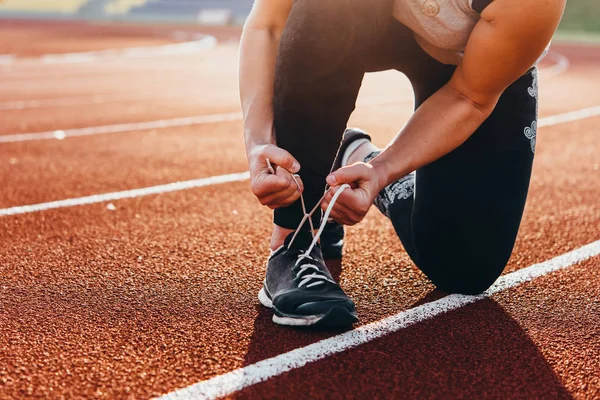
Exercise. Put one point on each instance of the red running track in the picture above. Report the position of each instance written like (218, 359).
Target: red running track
(159, 292)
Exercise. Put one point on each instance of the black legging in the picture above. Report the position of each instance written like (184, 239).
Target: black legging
(460, 225)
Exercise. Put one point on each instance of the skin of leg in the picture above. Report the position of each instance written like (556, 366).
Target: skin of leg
(362, 152)
(319, 70)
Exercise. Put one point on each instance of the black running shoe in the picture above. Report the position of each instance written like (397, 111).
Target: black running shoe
(332, 239)
(300, 289)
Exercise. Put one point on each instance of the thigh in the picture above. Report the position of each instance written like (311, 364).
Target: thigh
(318, 73)
(396, 48)
(468, 204)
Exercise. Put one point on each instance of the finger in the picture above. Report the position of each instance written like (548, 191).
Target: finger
(349, 204)
(282, 158)
(283, 198)
(336, 218)
(290, 200)
(329, 196)
(295, 180)
(280, 194)
(341, 197)
(266, 184)
(342, 210)
(348, 174)
(354, 199)
(285, 202)
(299, 182)
(341, 219)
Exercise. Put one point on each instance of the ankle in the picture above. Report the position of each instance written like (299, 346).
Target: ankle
(278, 236)
(362, 152)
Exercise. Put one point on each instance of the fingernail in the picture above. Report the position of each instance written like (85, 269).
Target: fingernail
(331, 180)
(295, 167)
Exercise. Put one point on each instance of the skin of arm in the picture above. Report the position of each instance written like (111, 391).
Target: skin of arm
(510, 36)
(258, 51)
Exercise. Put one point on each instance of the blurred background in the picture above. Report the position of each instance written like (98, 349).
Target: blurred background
(180, 11)
(581, 16)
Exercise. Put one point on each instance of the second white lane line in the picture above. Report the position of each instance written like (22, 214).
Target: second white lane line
(126, 194)
(236, 380)
(128, 127)
(224, 117)
(194, 183)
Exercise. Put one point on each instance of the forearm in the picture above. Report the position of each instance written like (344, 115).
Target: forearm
(258, 51)
(441, 124)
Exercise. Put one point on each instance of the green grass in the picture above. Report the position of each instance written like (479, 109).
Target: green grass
(581, 16)
(578, 36)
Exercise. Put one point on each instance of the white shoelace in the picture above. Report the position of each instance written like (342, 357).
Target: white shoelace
(318, 275)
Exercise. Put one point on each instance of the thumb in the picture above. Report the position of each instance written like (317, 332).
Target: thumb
(349, 174)
(282, 158)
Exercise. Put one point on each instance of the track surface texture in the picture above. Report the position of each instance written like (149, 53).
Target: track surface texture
(139, 297)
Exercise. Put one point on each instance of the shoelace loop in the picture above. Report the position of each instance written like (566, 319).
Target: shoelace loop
(318, 274)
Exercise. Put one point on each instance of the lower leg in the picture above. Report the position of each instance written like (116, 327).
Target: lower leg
(278, 236)
(467, 214)
(364, 149)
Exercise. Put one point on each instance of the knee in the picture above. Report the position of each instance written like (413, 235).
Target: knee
(464, 261)
(464, 275)
(315, 26)
(469, 283)
(353, 13)
(323, 32)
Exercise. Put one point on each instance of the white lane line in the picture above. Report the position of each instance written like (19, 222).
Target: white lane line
(543, 122)
(134, 126)
(138, 97)
(213, 118)
(127, 194)
(201, 42)
(7, 59)
(561, 65)
(261, 371)
(65, 101)
(569, 116)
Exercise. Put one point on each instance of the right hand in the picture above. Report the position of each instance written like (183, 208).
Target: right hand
(279, 189)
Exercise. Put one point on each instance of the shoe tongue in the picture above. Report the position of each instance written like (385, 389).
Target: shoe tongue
(302, 240)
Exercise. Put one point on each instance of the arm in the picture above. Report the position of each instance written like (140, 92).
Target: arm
(505, 43)
(258, 52)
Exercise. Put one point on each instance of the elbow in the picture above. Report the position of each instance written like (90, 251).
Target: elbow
(481, 104)
(270, 25)
(273, 32)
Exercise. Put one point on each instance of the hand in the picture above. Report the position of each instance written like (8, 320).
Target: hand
(354, 202)
(279, 189)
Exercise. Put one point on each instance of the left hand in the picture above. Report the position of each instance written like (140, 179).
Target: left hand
(354, 203)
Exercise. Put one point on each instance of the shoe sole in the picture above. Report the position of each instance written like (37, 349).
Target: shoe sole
(336, 317)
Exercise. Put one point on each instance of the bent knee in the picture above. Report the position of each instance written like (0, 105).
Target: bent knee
(465, 266)
(468, 277)
(465, 283)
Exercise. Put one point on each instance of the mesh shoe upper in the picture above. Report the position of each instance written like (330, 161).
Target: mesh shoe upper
(300, 283)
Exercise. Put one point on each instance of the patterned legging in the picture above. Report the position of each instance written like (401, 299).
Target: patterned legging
(457, 217)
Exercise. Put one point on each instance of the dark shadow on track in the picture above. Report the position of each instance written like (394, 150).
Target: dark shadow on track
(478, 351)
(269, 340)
